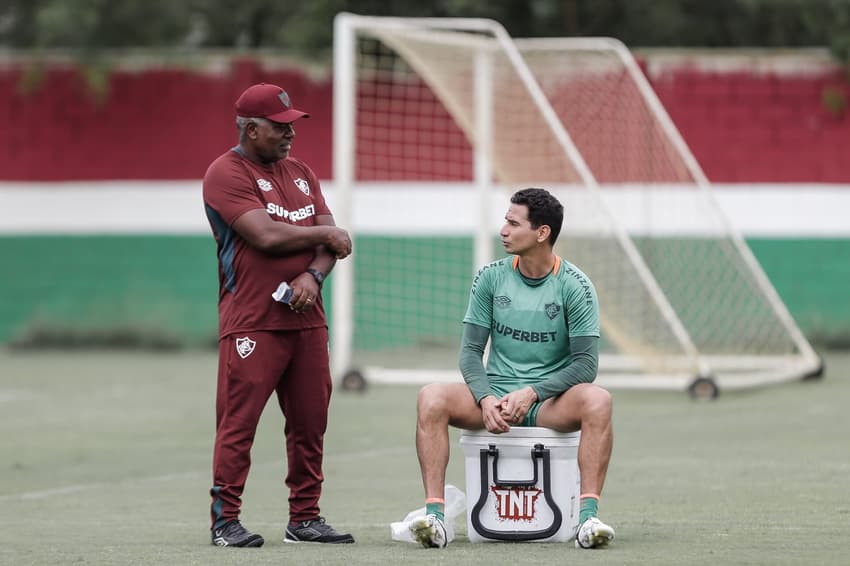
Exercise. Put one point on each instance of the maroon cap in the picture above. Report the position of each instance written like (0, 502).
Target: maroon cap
(267, 101)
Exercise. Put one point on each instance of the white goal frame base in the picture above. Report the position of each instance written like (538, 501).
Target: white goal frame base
(618, 372)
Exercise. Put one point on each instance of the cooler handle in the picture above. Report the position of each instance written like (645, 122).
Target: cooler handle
(539, 452)
(536, 453)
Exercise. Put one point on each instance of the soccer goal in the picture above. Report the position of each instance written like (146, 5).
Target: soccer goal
(437, 121)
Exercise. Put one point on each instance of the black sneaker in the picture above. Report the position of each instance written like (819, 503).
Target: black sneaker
(315, 531)
(232, 533)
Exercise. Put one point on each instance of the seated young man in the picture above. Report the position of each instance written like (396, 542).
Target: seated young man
(547, 382)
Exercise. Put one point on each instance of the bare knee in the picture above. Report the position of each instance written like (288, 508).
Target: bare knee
(597, 404)
(431, 404)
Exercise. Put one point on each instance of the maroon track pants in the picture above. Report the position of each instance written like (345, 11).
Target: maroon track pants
(293, 364)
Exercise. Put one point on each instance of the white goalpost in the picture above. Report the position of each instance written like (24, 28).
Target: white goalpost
(438, 121)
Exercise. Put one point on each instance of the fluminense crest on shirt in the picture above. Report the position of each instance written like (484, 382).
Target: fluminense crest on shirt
(303, 185)
(244, 347)
(264, 185)
(552, 310)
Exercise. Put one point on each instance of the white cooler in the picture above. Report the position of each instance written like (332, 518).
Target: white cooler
(522, 485)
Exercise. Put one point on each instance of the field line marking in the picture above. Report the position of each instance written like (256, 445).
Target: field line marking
(76, 488)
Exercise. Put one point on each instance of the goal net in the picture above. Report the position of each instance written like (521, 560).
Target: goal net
(438, 121)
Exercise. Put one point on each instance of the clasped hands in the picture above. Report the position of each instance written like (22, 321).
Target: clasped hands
(500, 414)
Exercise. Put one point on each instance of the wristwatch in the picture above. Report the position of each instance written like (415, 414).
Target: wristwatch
(317, 275)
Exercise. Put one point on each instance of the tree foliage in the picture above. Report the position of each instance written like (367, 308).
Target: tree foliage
(305, 29)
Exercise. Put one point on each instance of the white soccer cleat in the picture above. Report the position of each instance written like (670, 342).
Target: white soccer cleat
(593, 533)
(430, 531)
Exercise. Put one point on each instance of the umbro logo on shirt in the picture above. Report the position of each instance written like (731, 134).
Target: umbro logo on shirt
(264, 185)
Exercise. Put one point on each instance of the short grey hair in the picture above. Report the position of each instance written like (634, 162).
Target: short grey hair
(243, 121)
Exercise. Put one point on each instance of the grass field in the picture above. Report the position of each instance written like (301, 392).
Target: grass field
(105, 458)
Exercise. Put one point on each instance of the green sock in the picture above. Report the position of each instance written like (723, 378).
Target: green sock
(435, 509)
(588, 509)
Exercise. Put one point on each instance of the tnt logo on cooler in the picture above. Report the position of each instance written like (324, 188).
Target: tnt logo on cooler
(516, 503)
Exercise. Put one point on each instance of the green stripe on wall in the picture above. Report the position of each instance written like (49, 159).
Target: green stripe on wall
(151, 282)
(813, 278)
(169, 284)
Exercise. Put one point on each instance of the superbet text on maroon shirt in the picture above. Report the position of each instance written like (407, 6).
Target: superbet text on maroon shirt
(289, 192)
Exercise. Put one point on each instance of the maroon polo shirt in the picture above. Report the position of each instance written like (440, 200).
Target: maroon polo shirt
(289, 192)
